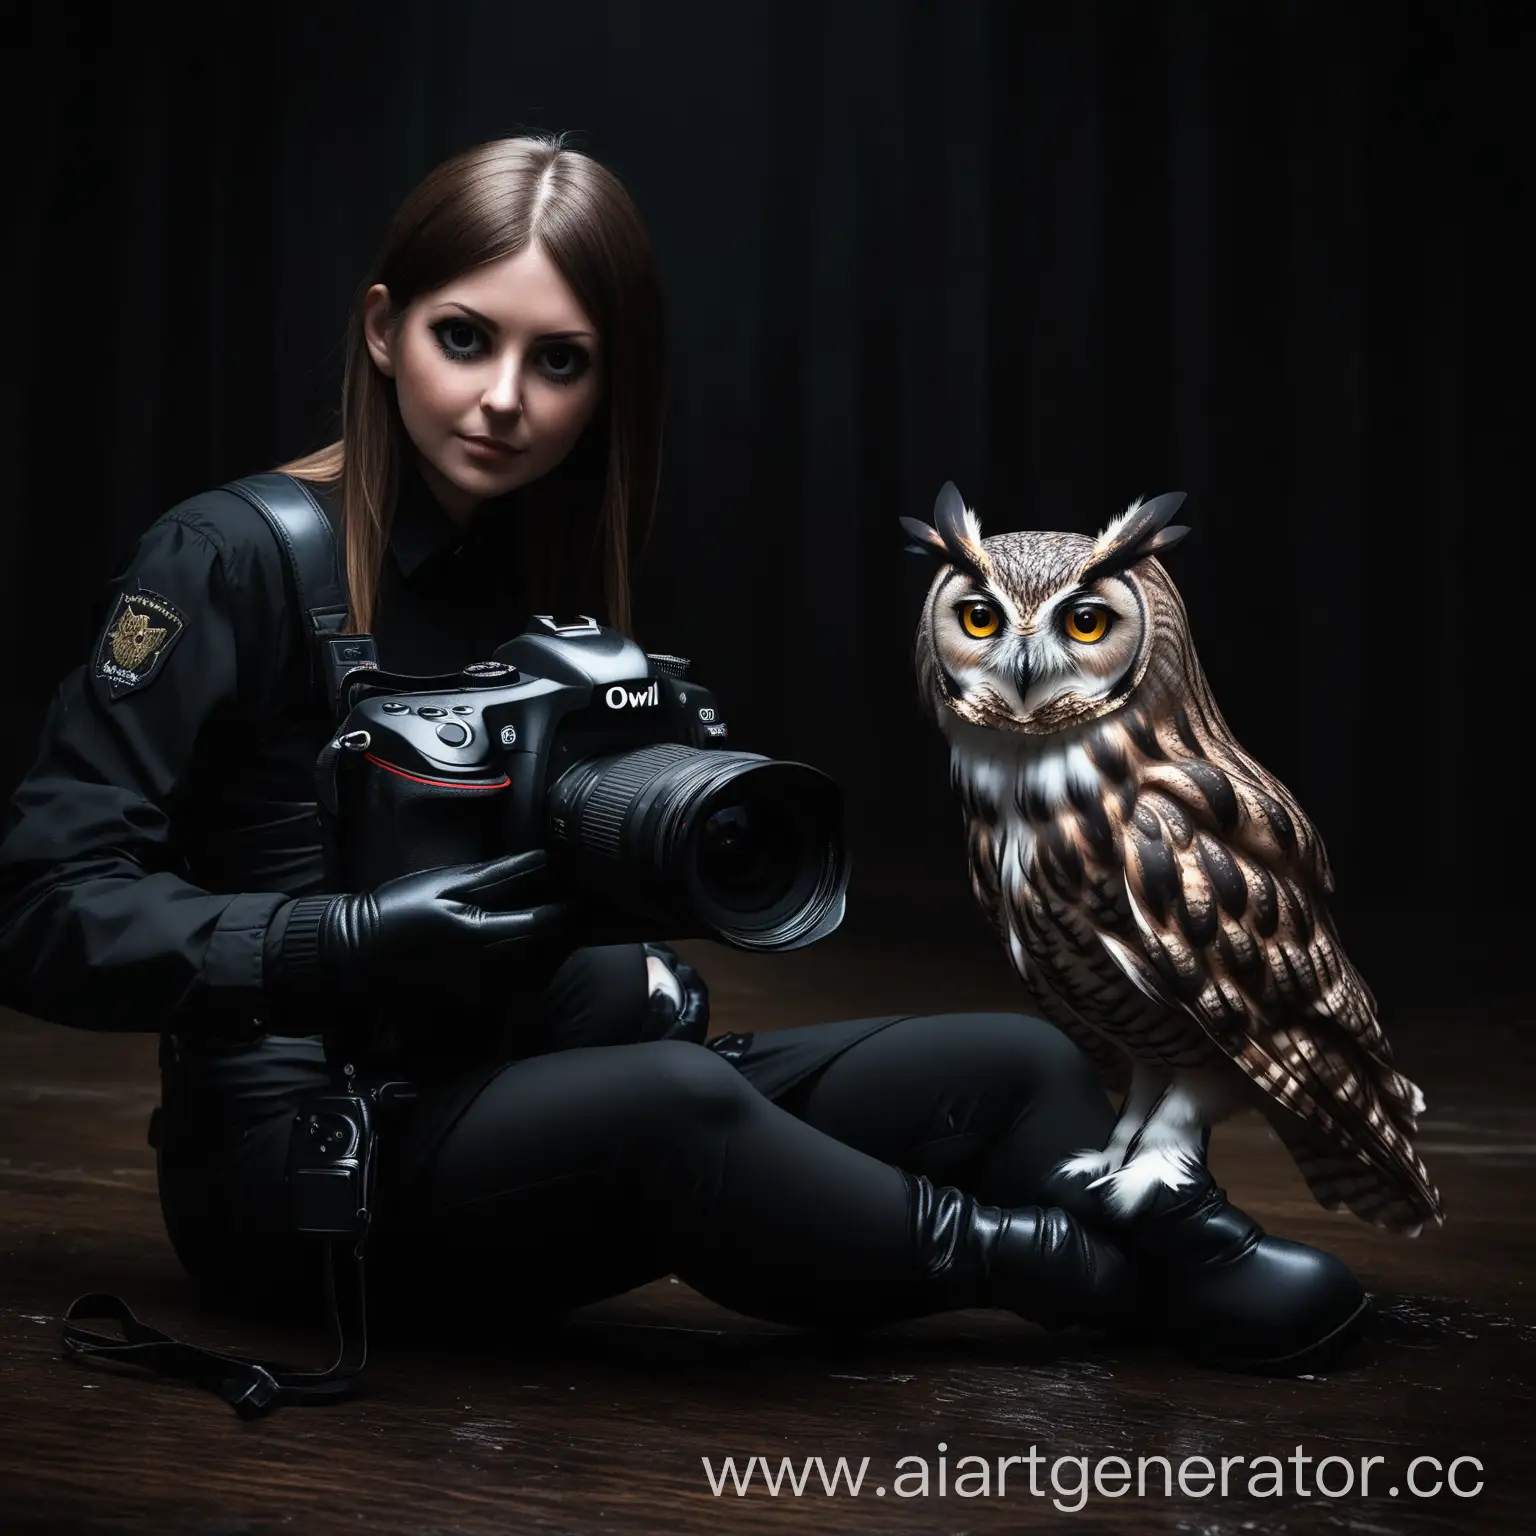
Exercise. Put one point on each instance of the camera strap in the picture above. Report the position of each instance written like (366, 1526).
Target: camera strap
(253, 1387)
(250, 1387)
(316, 573)
(313, 555)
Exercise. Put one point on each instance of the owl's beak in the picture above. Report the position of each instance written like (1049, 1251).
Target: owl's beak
(1022, 677)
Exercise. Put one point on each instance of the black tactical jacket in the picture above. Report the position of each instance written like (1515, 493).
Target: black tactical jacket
(170, 808)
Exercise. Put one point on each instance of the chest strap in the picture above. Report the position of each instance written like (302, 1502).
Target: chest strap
(318, 578)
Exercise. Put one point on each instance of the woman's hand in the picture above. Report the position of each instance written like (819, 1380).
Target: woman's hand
(459, 928)
(679, 1000)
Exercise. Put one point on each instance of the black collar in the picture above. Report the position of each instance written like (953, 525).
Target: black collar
(422, 532)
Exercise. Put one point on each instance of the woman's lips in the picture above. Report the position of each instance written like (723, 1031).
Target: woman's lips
(489, 447)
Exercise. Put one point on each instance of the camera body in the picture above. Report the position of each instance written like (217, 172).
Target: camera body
(572, 739)
(450, 769)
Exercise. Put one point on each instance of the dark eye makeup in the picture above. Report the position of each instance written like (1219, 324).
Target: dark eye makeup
(462, 341)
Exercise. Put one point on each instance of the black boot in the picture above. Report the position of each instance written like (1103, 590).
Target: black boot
(1225, 1292)
(1041, 1263)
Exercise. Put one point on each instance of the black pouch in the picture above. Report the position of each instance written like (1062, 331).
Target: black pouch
(332, 1167)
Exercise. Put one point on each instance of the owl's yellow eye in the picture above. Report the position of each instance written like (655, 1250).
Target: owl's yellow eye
(980, 620)
(1087, 624)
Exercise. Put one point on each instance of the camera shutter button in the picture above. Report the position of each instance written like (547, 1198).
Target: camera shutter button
(490, 674)
(452, 734)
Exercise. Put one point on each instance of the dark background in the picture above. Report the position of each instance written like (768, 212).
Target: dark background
(1269, 254)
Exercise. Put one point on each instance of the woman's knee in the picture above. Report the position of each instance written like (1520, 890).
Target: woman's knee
(688, 1085)
(1026, 1052)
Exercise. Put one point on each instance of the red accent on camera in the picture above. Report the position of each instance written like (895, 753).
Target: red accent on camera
(416, 778)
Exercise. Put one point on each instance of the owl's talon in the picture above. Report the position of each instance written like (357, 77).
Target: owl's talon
(1091, 1163)
(1135, 1185)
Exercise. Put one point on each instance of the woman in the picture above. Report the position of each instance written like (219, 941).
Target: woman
(162, 871)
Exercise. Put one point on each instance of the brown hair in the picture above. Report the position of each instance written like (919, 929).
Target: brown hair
(481, 205)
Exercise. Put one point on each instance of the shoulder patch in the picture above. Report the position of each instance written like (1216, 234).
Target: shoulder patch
(137, 638)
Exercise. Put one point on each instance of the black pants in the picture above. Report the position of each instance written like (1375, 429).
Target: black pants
(771, 1185)
(578, 1175)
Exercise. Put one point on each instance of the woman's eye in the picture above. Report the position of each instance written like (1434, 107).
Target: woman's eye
(563, 362)
(1087, 624)
(458, 339)
(980, 620)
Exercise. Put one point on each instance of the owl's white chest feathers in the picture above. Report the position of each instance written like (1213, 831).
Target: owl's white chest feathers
(1015, 783)
(1024, 791)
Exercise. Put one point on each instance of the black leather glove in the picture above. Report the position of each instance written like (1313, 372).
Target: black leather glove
(679, 1000)
(455, 927)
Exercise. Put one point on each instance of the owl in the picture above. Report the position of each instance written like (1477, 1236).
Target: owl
(1163, 896)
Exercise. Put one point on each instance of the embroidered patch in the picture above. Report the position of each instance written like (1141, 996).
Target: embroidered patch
(136, 641)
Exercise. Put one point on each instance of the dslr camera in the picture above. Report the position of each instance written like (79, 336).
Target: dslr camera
(572, 739)
(569, 739)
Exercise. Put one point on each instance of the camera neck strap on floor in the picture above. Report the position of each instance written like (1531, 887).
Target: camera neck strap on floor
(333, 1168)
(250, 1387)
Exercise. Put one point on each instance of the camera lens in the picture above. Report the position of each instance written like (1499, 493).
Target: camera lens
(748, 849)
(736, 853)
(749, 853)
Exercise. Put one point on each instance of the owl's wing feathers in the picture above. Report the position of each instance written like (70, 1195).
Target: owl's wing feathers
(1024, 936)
(1225, 887)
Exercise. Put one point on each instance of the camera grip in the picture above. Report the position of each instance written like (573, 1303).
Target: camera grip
(391, 822)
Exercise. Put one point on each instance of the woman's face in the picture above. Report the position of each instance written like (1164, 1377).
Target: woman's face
(497, 374)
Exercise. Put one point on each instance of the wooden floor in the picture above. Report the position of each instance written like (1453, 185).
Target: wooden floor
(605, 1423)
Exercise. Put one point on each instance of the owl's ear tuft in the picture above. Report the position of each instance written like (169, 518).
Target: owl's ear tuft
(959, 533)
(926, 539)
(1138, 533)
